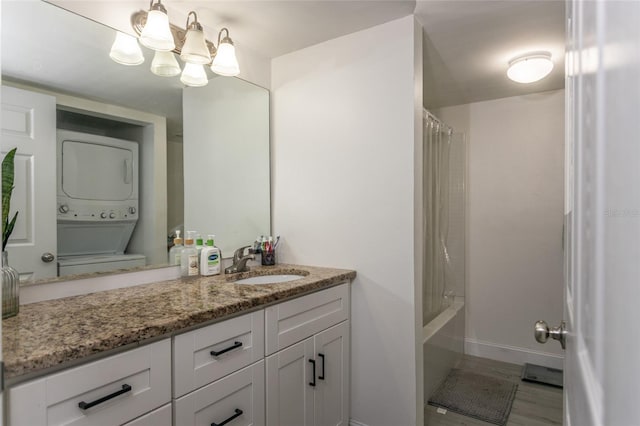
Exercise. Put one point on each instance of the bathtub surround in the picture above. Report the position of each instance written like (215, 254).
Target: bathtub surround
(346, 153)
(515, 214)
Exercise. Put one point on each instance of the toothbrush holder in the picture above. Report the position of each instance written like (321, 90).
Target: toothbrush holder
(268, 256)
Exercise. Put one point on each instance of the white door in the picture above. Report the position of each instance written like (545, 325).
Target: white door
(29, 123)
(291, 385)
(332, 390)
(602, 261)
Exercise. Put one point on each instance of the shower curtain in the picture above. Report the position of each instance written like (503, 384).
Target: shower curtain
(443, 183)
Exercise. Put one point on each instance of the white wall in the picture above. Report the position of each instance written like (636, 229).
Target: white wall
(175, 185)
(515, 208)
(344, 129)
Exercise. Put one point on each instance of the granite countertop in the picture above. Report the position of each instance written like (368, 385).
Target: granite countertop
(54, 332)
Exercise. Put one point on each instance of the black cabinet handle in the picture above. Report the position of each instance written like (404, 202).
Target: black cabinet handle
(313, 374)
(86, 405)
(238, 413)
(225, 350)
(321, 377)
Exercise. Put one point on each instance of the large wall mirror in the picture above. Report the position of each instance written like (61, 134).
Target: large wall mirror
(113, 159)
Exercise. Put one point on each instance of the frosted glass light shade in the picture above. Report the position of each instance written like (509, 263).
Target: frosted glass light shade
(530, 68)
(195, 50)
(156, 33)
(165, 64)
(194, 75)
(225, 62)
(126, 50)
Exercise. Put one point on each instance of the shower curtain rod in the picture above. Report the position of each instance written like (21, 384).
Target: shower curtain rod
(428, 115)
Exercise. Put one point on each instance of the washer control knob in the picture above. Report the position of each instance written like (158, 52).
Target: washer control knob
(63, 208)
(112, 215)
(132, 210)
(103, 215)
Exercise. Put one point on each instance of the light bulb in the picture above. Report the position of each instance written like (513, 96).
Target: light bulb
(165, 64)
(156, 33)
(126, 50)
(194, 75)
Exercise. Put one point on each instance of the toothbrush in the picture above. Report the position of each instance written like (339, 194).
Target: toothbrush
(275, 245)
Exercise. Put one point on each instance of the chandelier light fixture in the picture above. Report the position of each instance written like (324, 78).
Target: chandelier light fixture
(157, 33)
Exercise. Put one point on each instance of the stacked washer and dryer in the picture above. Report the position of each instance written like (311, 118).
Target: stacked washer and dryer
(97, 199)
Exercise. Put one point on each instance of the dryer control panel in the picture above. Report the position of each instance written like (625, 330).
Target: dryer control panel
(98, 211)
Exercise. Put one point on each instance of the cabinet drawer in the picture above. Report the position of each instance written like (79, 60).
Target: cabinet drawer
(297, 319)
(113, 390)
(159, 417)
(239, 342)
(237, 398)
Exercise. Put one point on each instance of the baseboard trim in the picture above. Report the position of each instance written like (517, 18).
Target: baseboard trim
(355, 423)
(512, 354)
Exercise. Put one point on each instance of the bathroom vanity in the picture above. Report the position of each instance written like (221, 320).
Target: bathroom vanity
(196, 351)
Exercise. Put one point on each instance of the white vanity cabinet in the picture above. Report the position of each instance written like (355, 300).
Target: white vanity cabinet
(308, 376)
(109, 391)
(213, 375)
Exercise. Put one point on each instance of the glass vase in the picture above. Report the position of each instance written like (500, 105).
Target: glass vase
(10, 288)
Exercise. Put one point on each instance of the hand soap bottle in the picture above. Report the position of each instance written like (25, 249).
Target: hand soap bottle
(210, 258)
(176, 251)
(189, 258)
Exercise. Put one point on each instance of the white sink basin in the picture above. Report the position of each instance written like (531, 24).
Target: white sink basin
(269, 279)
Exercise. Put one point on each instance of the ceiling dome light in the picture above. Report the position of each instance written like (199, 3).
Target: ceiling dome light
(126, 50)
(194, 75)
(156, 33)
(225, 62)
(530, 67)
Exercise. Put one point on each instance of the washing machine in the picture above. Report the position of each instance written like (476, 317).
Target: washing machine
(97, 202)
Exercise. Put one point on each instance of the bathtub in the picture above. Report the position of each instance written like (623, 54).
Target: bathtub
(443, 345)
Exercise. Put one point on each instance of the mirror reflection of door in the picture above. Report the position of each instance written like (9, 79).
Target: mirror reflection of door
(29, 123)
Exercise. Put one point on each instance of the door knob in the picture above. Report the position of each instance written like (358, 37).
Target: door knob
(542, 333)
(47, 257)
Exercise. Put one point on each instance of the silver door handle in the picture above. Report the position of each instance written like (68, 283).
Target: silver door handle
(47, 257)
(542, 333)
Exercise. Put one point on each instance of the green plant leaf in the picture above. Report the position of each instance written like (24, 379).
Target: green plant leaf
(9, 229)
(7, 189)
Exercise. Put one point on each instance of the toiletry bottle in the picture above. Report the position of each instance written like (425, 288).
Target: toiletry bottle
(189, 258)
(199, 247)
(210, 258)
(176, 251)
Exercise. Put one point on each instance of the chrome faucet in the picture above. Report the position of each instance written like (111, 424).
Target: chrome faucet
(240, 261)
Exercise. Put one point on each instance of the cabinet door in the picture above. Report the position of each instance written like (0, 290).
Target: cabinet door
(289, 390)
(236, 400)
(332, 374)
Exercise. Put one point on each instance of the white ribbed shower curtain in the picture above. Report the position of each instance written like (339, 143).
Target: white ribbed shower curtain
(443, 183)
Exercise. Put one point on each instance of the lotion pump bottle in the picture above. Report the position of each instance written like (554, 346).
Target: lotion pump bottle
(189, 258)
(210, 258)
(176, 251)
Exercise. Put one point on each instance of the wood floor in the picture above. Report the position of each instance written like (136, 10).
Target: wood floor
(534, 404)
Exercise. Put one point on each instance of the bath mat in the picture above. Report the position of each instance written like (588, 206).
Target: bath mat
(474, 395)
(539, 374)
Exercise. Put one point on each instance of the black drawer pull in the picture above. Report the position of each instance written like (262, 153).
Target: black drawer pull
(86, 405)
(321, 377)
(237, 414)
(225, 350)
(313, 373)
